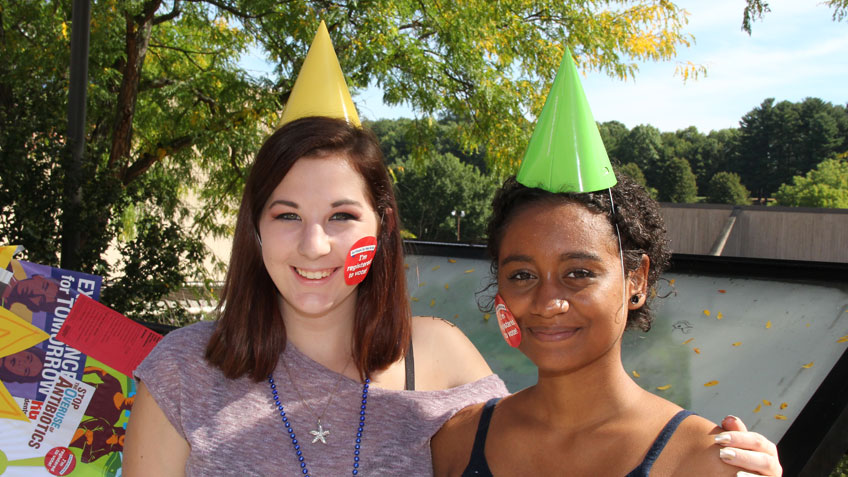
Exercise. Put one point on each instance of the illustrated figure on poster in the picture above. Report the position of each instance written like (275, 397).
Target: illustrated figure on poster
(98, 434)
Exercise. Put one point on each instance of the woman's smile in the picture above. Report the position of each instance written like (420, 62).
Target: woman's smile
(552, 332)
(314, 275)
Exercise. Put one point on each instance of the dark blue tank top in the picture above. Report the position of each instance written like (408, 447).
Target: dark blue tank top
(478, 466)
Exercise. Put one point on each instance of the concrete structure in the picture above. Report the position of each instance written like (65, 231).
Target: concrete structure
(785, 233)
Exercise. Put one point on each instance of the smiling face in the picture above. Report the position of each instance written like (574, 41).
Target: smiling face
(559, 273)
(307, 226)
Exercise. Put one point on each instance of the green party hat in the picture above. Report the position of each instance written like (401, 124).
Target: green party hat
(566, 153)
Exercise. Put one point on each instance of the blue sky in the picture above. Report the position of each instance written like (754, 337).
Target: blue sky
(796, 51)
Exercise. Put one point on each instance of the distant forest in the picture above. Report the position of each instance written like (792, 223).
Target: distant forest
(785, 153)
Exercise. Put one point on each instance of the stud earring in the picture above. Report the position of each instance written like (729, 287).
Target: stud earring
(635, 298)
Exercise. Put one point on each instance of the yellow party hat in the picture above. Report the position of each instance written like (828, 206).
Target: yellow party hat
(320, 88)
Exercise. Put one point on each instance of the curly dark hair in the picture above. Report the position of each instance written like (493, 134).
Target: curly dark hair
(637, 216)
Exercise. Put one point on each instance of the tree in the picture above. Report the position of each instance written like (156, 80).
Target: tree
(779, 141)
(613, 133)
(824, 186)
(429, 190)
(726, 188)
(756, 10)
(170, 113)
(643, 147)
(678, 182)
(632, 170)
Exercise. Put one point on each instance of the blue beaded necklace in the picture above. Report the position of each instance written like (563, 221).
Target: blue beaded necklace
(297, 450)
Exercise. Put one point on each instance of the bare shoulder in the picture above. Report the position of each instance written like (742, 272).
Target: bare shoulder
(153, 446)
(451, 446)
(444, 356)
(693, 447)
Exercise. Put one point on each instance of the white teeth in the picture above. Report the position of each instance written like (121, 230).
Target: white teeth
(313, 275)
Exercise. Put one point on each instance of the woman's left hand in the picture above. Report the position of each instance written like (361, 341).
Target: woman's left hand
(749, 450)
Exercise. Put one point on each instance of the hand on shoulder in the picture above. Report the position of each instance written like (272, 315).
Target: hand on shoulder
(696, 449)
(444, 356)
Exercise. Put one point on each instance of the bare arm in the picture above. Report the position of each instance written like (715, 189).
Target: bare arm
(152, 445)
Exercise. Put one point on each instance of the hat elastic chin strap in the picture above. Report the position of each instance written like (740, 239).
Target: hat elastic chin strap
(620, 253)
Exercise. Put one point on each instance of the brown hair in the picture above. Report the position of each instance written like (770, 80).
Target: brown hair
(637, 216)
(250, 334)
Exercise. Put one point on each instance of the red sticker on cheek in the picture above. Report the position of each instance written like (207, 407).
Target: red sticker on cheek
(509, 328)
(358, 260)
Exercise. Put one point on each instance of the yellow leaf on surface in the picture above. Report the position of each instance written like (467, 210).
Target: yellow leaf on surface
(663, 388)
(757, 409)
(436, 267)
(707, 312)
(766, 402)
(636, 374)
(487, 316)
(689, 341)
(470, 270)
(451, 260)
(808, 365)
(844, 339)
(783, 405)
(768, 324)
(719, 316)
(738, 343)
(710, 383)
(697, 350)
(447, 286)
(432, 303)
(780, 417)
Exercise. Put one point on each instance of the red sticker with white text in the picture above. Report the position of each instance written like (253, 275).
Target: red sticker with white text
(60, 461)
(509, 328)
(358, 260)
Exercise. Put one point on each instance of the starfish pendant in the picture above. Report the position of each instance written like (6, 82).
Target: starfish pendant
(320, 434)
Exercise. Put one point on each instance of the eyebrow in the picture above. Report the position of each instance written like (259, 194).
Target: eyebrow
(294, 205)
(562, 257)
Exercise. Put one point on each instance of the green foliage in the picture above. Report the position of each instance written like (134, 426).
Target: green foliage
(779, 141)
(172, 118)
(726, 188)
(633, 171)
(643, 147)
(825, 186)
(756, 10)
(678, 182)
(841, 469)
(613, 133)
(430, 189)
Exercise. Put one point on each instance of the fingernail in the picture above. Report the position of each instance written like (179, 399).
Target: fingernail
(722, 438)
(726, 454)
(731, 416)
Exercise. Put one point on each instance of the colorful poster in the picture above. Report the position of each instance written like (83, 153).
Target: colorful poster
(70, 409)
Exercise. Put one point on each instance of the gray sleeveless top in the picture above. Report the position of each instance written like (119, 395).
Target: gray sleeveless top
(234, 429)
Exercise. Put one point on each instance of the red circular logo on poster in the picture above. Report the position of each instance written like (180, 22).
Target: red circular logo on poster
(60, 461)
